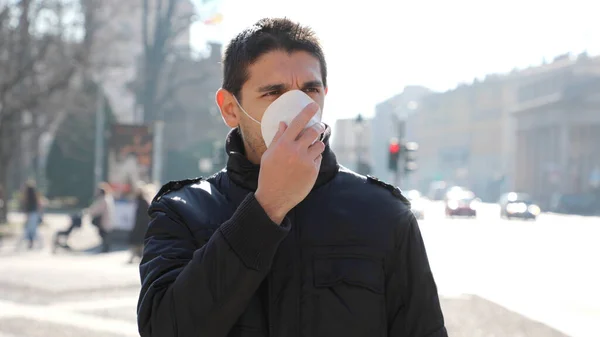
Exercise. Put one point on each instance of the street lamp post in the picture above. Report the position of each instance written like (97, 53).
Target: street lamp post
(158, 151)
(361, 166)
(99, 137)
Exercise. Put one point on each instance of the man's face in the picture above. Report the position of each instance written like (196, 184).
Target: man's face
(273, 74)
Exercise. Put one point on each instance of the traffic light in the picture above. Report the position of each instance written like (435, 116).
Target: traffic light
(394, 155)
(410, 157)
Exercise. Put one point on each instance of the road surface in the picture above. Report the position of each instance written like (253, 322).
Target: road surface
(546, 270)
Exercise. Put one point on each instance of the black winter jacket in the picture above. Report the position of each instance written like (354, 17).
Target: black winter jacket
(348, 261)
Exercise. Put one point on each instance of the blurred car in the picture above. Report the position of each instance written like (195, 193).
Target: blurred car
(518, 205)
(461, 202)
(418, 203)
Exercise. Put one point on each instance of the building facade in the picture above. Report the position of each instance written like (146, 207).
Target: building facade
(469, 136)
(558, 130)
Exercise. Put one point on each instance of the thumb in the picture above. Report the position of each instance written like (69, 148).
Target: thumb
(280, 131)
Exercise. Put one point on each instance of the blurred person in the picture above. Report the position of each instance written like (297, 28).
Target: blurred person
(102, 213)
(284, 242)
(136, 236)
(124, 172)
(31, 206)
(2, 206)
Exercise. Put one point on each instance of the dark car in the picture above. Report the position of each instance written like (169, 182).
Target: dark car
(515, 205)
(461, 202)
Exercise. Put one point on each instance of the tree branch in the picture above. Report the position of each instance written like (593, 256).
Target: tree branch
(49, 90)
(25, 69)
(166, 97)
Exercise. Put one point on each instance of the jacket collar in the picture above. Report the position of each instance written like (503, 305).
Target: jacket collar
(245, 174)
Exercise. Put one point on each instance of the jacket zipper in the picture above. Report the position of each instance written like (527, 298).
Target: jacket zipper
(298, 264)
(270, 305)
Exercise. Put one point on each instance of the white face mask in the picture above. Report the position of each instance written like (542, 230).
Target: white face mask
(283, 109)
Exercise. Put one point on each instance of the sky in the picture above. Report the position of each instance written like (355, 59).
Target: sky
(374, 48)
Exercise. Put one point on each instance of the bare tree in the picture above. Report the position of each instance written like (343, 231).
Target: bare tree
(163, 22)
(44, 48)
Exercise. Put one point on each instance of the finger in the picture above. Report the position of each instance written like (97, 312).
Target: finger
(280, 130)
(299, 122)
(318, 161)
(311, 135)
(315, 150)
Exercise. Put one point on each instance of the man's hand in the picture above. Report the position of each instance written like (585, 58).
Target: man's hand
(289, 167)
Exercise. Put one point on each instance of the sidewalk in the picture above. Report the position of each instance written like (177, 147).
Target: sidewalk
(45, 295)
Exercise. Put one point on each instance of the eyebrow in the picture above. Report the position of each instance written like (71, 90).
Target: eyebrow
(312, 84)
(281, 86)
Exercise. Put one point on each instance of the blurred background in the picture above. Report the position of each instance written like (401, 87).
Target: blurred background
(486, 113)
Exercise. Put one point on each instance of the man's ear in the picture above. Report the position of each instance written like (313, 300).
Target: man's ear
(227, 105)
(326, 90)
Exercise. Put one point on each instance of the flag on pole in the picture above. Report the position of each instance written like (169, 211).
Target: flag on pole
(214, 19)
(211, 12)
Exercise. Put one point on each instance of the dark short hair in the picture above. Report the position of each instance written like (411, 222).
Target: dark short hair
(264, 36)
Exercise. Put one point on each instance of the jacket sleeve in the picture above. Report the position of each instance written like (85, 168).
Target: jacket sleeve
(201, 292)
(413, 305)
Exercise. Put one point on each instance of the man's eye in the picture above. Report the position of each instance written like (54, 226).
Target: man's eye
(272, 93)
(316, 90)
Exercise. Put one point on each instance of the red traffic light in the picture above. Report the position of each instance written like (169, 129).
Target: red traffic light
(394, 148)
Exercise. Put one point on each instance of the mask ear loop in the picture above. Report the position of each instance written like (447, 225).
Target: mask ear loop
(244, 111)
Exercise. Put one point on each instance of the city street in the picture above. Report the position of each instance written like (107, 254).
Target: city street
(545, 270)
(496, 278)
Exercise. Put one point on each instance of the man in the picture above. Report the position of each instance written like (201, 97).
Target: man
(285, 242)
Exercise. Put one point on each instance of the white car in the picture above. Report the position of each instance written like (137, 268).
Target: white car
(417, 203)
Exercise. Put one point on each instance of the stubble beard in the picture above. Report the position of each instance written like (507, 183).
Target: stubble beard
(253, 143)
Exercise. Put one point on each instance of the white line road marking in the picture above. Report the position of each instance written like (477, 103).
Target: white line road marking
(95, 304)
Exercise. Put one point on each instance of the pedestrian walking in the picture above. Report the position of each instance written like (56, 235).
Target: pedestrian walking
(102, 214)
(31, 207)
(136, 236)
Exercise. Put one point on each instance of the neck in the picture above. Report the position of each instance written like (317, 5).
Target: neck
(251, 154)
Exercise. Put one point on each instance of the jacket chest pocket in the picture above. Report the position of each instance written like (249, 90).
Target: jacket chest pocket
(349, 297)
